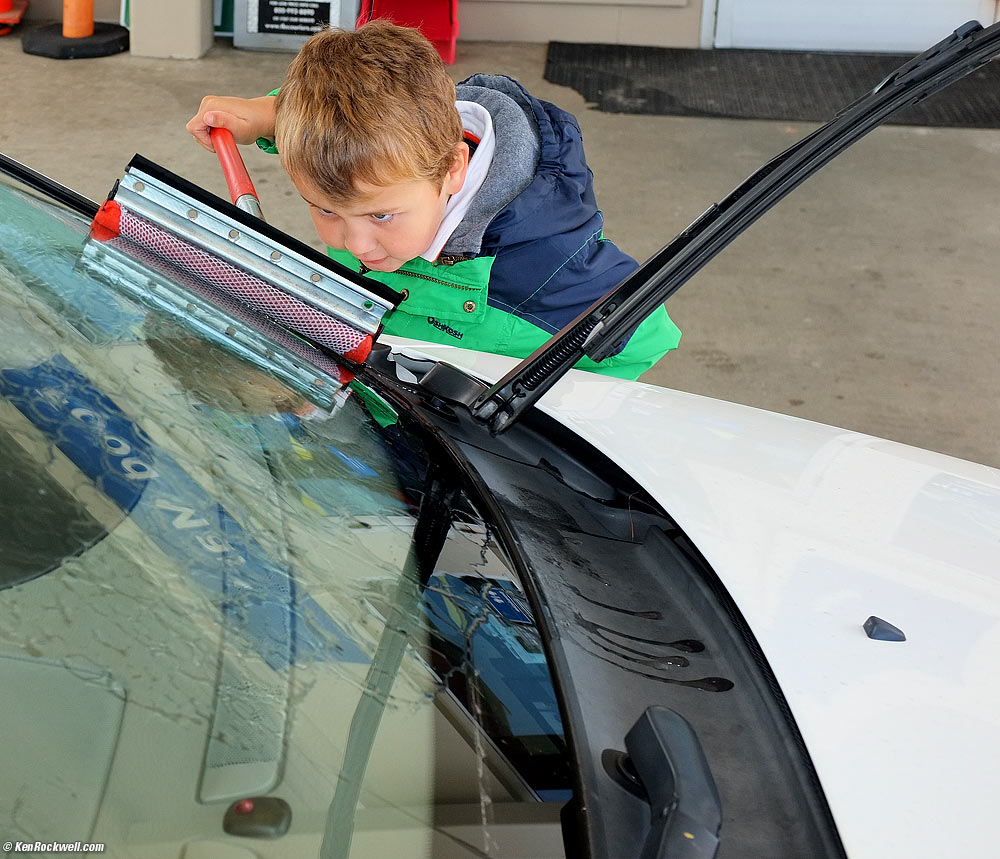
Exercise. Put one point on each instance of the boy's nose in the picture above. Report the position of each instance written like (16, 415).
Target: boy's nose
(360, 242)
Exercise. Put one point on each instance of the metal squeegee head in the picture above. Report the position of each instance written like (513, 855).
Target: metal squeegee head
(196, 234)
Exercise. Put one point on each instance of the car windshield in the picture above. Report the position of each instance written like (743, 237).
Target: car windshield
(212, 619)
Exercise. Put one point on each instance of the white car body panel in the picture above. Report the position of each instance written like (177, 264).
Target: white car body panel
(813, 529)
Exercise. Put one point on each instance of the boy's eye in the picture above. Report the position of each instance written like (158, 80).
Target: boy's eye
(382, 219)
(324, 211)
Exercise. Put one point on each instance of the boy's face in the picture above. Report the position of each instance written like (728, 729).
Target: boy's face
(385, 226)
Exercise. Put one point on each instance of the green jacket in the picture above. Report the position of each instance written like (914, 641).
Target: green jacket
(448, 304)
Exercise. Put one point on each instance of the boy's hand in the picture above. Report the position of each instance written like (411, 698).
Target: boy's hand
(246, 118)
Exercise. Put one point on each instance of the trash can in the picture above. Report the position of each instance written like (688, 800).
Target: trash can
(284, 25)
(436, 19)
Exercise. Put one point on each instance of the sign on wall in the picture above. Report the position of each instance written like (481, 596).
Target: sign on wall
(284, 25)
(291, 17)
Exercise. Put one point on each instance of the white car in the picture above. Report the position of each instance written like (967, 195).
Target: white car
(259, 602)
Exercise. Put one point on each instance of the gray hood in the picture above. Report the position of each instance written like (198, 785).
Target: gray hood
(515, 158)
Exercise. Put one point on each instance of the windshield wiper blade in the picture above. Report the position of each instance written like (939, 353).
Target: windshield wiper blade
(599, 331)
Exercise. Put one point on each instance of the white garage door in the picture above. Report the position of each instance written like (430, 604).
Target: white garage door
(843, 25)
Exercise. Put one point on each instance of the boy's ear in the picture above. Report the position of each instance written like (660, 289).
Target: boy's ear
(455, 178)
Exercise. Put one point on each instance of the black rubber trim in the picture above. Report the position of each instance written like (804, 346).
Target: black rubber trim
(48, 186)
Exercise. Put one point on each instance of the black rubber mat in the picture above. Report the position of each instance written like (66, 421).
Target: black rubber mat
(788, 85)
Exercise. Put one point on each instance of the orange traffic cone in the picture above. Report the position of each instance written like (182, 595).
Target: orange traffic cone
(78, 19)
(77, 37)
(11, 12)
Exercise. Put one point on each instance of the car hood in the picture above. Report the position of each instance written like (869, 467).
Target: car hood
(814, 529)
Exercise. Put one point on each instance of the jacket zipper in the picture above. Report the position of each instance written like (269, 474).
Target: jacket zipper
(363, 269)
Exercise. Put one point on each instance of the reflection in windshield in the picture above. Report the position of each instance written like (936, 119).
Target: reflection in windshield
(37, 536)
(203, 562)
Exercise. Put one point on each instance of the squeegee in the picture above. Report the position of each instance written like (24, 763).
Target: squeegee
(230, 247)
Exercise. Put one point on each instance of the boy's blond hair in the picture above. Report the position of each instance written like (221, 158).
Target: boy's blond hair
(373, 106)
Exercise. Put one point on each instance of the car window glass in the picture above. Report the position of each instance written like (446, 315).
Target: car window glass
(208, 593)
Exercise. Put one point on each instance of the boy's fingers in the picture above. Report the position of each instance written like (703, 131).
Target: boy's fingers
(201, 126)
(238, 125)
(201, 134)
(247, 119)
(198, 128)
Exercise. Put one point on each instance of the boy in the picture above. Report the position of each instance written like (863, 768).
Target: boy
(480, 211)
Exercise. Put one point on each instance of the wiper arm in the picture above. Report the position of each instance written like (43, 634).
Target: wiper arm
(599, 331)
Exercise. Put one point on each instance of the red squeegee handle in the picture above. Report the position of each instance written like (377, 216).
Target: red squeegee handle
(241, 189)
